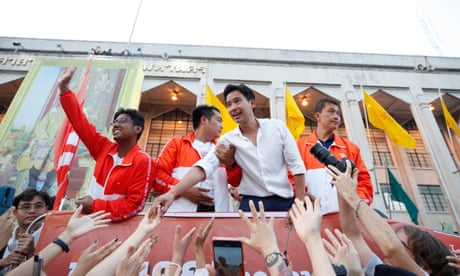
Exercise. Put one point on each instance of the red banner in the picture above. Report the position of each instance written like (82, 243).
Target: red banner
(226, 225)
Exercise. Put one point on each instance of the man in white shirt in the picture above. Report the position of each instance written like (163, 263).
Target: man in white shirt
(263, 150)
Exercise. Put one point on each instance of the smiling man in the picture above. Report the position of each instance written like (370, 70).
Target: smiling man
(318, 182)
(179, 155)
(263, 148)
(123, 174)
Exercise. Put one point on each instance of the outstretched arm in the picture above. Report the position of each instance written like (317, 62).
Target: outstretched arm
(109, 265)
(307, 223)
(376, 226)
(193, 176)
(263, 240)
(90, 257)
(179, 248)
(77, 227)
(350, 224)
(132, 263)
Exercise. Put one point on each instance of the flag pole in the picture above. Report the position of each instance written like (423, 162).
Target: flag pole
(387, 179)
(134, 24)
(365, 111)
(368, 133)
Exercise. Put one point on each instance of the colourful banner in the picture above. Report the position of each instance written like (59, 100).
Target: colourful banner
(31, 127)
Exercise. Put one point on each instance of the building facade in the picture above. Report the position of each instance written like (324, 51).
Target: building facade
(408, 87)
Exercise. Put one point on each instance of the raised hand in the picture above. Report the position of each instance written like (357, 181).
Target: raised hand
(6, 226)
(163, 202)
(203, 232)
(454, 260)
(81, 225)
(90, 257)
(341, 251)
(346, 185)
(64, 79)
(306, 218)
(263, 238)
(132, 263)
(150, 221)
(179, 247)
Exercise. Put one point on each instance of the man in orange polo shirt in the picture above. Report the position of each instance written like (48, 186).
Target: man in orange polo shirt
(318, 182)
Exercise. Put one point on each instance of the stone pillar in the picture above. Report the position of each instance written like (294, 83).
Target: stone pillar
(351, 115)
(277, 101)
(445, 166)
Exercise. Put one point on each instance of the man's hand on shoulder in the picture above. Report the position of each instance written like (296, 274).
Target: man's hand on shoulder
(225, 154)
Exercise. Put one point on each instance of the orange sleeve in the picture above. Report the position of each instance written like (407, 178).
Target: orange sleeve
(234, 175)
(166, 162)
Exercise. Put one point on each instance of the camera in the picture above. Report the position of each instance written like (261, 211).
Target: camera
(325, 157)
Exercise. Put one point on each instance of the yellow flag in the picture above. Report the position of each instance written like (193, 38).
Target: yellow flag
(227, 120)
(379, 118)
(295, 120)
(450, 122)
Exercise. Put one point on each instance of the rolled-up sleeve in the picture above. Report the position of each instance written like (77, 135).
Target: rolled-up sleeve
(209, 164)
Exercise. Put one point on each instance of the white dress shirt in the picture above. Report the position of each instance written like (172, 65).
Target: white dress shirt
(216, 183)
(263, 166)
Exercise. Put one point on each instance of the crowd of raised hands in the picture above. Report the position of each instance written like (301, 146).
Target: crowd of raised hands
(127, 258)
(339, 250)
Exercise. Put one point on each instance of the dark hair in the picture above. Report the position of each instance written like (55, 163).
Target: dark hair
(136, 117)
(246, 91)
(428, 251)
(322, 102)
(29, 194)
(200, 111)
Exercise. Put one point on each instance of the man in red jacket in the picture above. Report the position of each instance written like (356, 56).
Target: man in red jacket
(318, 182)
(123, 174)
(182, 152)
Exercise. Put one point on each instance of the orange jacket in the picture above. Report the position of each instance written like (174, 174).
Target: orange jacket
(340, 148)
(179, 153)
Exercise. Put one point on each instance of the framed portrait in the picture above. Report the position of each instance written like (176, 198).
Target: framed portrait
(29, 129)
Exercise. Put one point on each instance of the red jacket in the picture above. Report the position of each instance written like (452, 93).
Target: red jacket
(120, 189)
(179, 153)
(340, 148)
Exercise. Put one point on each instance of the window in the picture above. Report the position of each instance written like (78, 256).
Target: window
(419, 157)
(433, 198)
(164, 127)
(380, 151)
(419, 160)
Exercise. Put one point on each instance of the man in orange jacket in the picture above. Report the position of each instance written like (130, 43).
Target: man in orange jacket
(318, 182)
(182, 152)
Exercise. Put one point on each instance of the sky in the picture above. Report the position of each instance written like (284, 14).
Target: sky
(407, 27)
